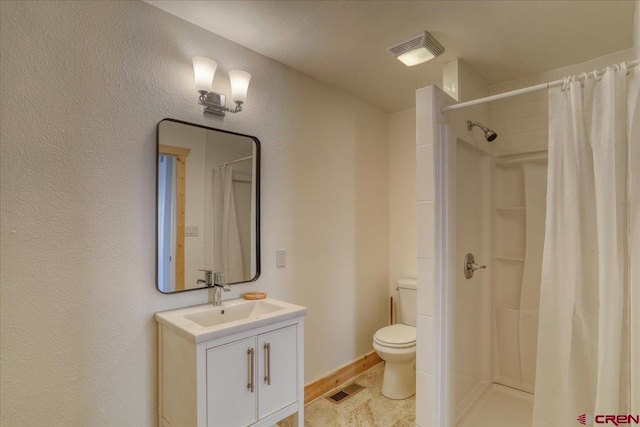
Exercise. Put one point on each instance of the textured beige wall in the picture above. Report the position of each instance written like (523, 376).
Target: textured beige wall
(83, 86)
(402, 198)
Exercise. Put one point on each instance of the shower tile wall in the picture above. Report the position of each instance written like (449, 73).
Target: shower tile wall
(522, 121)
(425, 138)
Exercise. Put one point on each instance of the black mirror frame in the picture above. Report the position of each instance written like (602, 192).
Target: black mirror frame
(258, 154)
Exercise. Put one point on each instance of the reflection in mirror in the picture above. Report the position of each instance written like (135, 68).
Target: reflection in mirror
(207, 206)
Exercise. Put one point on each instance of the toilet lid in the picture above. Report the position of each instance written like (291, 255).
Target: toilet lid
(396, 336)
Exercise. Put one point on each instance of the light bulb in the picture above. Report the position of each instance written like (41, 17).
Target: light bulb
(415, 56)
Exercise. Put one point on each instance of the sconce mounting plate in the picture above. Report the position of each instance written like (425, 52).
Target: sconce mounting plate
(216, 103)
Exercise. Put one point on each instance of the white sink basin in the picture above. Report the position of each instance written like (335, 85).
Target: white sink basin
(219, 315)
(206, 322)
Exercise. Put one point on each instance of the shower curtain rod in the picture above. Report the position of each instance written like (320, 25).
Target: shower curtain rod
(234, 161)
(547, 85)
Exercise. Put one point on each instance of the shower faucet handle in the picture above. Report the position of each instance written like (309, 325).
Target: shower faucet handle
(475, 266)
(470, 266)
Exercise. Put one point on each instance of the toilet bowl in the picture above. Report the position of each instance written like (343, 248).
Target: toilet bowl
(396, 345)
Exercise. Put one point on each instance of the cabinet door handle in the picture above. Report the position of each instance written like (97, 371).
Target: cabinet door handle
(250, 373)
(267, 363)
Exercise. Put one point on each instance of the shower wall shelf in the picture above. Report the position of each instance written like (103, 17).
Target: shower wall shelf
(519, 206)
(506, 210)
(514, 160)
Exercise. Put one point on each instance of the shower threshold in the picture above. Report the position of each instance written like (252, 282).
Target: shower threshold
(500, 406)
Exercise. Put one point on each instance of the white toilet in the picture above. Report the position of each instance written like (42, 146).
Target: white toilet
(396, 345)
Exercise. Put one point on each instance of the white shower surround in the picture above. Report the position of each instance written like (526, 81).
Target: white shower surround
(434, 361)
(520, 186)
(473, 296)
(433, 396)
(436, 238)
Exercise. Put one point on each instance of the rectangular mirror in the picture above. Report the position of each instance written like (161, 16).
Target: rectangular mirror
(208, 206)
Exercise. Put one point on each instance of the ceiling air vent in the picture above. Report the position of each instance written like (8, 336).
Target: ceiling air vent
(417, 49)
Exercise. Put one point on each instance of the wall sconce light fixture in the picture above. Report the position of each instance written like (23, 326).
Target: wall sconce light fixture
(213, 102)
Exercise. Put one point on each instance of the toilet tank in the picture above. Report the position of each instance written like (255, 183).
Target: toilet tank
(407, 301)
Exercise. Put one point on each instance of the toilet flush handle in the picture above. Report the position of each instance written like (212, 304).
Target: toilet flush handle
(470, 266)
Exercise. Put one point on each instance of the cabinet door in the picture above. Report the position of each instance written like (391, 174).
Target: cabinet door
(230, 399)
(278, 370)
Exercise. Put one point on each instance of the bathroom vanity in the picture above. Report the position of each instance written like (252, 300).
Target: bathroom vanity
(234, 365)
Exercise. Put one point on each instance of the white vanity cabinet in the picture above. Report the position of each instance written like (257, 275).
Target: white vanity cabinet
(248, 378)
(231, 397)
(277, 388)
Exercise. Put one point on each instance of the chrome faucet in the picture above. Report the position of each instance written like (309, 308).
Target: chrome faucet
(207, 278)
(218, 286)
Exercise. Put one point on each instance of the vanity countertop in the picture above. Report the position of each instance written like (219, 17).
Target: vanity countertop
(206, 322)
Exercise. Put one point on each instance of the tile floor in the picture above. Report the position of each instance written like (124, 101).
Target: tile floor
(500, 406)
(367, 408)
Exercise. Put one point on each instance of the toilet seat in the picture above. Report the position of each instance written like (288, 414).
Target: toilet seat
(396, 336)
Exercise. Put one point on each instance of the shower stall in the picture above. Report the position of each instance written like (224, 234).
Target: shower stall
(499, 219)
(490, 213)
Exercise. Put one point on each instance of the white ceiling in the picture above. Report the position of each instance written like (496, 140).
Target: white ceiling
(343, 43)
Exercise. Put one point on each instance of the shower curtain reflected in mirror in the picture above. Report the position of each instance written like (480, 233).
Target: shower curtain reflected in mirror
(587, 358)
(227, 249)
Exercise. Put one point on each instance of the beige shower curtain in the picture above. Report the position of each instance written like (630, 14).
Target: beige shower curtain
(584, 363)
(227, 252)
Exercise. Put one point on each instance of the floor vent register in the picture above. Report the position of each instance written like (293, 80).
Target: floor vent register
(345, 393)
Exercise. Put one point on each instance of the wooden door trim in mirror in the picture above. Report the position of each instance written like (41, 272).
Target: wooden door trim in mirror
(180, 154)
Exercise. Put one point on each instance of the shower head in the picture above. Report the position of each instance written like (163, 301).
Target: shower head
(488, 133)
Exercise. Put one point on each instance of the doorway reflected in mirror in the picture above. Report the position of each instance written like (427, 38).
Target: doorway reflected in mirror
(207, 206)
